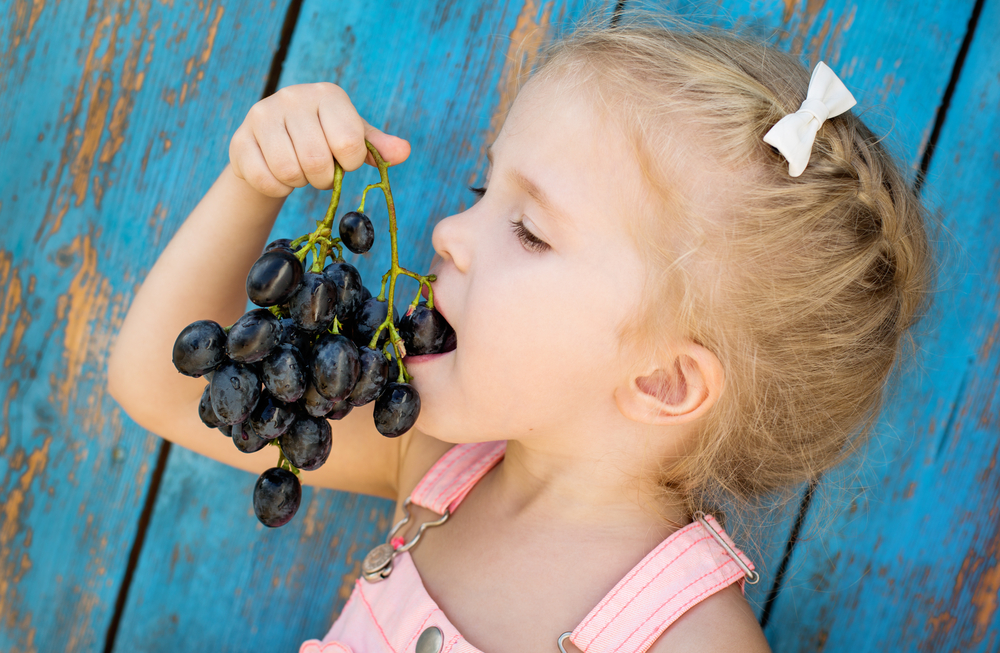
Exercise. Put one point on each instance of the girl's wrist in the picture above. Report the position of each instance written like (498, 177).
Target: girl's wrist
(242, 189)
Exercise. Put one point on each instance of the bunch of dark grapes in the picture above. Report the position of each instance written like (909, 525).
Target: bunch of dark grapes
(319, 345)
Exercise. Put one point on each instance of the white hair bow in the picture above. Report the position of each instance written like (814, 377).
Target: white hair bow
(794, 134)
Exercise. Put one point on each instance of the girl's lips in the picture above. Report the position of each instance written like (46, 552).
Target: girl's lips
(423, 358)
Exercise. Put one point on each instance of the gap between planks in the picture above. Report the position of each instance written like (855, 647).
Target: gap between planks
(271, 85)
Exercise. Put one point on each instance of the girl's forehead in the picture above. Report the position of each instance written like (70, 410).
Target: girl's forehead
(655, 160)
(546, 113)
(574, 164)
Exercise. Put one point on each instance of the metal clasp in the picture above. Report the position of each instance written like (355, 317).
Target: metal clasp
(378, 563)
(752, 576)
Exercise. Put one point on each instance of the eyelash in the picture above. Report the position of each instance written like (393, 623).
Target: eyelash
(528, 239)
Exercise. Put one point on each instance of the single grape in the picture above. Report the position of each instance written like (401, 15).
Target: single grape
(276, 497)
(246, 439)
(253, 336)
(271, 417)
(374, 374)
(281, 243)
(293, 335)
(200, 348)
(235, 389)
(340, 410)
(307, 443)
(205, 410)
(357, 232)
(396, 409)
(284, 373)
(425, 331)
(314, 403)
(345, 279)
(312, 306)
(371, 316)
(335, 366)
(274, 277)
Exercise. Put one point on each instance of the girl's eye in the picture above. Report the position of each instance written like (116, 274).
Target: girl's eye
(528, 239)
(478, 191)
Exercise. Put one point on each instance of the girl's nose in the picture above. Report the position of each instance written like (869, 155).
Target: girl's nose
(452, 240)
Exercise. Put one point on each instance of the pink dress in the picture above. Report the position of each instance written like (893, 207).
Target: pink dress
(396, 615)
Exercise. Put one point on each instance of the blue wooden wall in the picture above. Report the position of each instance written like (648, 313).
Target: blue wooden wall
(115, 118)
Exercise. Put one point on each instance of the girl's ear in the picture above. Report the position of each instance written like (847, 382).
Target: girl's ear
(676, 393)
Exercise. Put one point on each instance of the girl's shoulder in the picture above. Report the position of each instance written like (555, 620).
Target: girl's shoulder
(720, 623)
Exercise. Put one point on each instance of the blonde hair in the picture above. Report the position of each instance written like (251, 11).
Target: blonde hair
(804, 288)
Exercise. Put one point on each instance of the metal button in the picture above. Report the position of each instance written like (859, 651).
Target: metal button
(430, 641)
(378, 563)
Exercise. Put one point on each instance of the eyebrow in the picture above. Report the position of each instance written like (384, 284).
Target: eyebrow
(531, 188)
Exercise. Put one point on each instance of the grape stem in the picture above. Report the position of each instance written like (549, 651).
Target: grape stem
(321, 244)
(394, 269)
(284, 463)
(319, 241)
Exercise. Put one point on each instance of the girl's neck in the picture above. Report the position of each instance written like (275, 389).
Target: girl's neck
(581, 488)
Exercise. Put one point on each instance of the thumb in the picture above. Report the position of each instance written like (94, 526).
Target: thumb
(393, 149)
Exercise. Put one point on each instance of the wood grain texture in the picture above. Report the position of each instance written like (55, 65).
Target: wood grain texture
(104, 144)
(913, 562)
(213, 578)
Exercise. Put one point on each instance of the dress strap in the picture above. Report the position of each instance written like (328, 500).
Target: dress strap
(685, 568)
(452, 477)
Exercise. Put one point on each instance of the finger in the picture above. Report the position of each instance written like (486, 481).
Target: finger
(276, 147)
(344, 130)
(311, 149)
(393, 149)
(249, 164)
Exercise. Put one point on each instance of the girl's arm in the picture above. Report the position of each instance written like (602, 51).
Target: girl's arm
(287, 141)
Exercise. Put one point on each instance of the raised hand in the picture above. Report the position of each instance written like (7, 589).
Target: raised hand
(290, 139)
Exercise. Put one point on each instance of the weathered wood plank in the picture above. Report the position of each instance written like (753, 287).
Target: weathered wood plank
(914, 563)
(104, 110)
(212, 578)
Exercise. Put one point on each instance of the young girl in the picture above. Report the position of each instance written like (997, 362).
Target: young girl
(656, 310)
